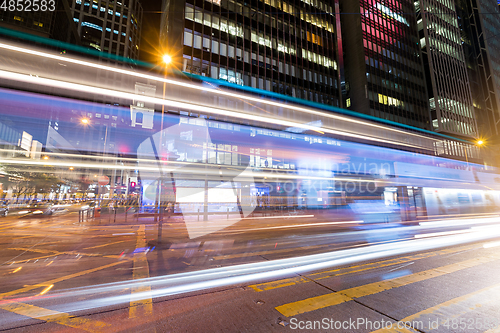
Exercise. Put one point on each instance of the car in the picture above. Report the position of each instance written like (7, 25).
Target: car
(39, 209)
(4, 209)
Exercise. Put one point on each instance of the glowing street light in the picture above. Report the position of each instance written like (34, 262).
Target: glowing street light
(167, 59)
(85, 121)
(480, 142)
(45, 157)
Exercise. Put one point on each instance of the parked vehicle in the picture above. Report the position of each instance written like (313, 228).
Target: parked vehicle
(4, 209)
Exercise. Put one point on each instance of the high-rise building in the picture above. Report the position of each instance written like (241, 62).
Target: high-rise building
(109, 26)
(288, 47)
(52, 20)
(383, 67)
(480, 26)
(39, 23)
(449, 90)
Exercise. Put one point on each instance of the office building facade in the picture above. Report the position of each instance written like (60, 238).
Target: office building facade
(38, 23)
(383, 68)
(449, 90)
(479, 25)
(109, 26)
(288, 47)
(55, 22)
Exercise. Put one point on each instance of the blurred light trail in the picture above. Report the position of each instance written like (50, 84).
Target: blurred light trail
(112, 294)
(443, 233)
(490, 245)
(461, 221)
(45, 290)
(170, 166)
(181, 105)
(306, 225)
(276, 217)
(202, 88)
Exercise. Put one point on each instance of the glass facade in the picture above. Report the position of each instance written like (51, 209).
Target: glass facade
(281, 46)
(489, 53)
(388, 81)
(35, 22)
(109, 26)
(448, 83)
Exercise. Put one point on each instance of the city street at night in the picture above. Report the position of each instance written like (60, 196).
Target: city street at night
(257, 166)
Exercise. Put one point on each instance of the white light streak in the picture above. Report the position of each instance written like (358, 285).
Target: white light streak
(182, 283)
(182, 105)
(204, 88)
(490, 245)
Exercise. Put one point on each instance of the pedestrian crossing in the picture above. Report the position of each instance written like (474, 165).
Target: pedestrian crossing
(468, 312)
(57, 317)
(331, 299)
(456, 315)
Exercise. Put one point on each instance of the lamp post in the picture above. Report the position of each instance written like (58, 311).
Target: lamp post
(166, 60)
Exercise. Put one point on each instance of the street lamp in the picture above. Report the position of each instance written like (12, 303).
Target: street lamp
(167, 59)
(85, 121)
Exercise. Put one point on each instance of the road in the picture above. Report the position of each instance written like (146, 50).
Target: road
(263, 274)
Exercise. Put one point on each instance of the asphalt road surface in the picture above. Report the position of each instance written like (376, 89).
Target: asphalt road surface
(300, 273)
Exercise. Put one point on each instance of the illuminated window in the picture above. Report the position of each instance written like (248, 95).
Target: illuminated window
(348, 103)
(17, 18)
(314, 39)
(386, 100)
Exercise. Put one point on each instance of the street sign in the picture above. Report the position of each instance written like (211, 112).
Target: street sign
(103, 180)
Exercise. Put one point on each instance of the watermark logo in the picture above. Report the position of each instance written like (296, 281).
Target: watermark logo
(179, 165)
(355, 324)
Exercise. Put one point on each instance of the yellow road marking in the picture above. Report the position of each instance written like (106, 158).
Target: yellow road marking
(445, 312)
(59, 279)
(25, 260)
(352, 269)
(55, 317)
(44, 291)
(331, 299)
(26, 225)
(94, 247)
(55, 252)
(141, 308)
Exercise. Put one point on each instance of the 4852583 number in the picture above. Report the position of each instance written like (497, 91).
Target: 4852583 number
(28, 5)
(464, 324)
